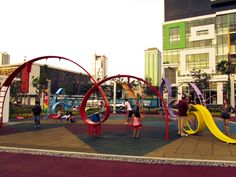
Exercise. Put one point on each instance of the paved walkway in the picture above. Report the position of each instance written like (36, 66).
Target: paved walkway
(203, 146)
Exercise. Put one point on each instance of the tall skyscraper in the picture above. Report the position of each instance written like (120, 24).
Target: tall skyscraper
(198, 34)
(99, 66)
(4, 58)
(153, 66)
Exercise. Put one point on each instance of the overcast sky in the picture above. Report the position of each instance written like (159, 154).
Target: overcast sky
(76, 29)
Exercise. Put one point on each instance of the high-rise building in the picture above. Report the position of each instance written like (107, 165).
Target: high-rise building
(198, 34)
(99, 66)
(4, 58)
(152, 70)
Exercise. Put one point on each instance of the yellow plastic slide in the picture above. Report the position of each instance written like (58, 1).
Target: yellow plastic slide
(200, 126)
(211, 124)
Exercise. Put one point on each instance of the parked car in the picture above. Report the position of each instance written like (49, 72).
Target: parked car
(120, 105)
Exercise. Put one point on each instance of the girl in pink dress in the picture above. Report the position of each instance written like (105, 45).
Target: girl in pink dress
(137, 122)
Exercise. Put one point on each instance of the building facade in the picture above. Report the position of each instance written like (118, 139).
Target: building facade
(198, 35)
(4, 58)
(153, 66)
(99, 66)
(74, 83)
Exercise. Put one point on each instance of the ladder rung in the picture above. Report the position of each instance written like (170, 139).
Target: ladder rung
(3, 89)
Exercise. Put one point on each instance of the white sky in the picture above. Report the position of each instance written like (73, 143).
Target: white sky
(76, 29)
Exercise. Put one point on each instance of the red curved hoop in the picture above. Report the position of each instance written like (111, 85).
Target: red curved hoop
(106, 116)
(28, 64)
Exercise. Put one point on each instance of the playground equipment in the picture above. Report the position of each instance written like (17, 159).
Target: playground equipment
(130, 91)
(198, 114)
(166, 82)
(5, 86)
(201, 113)
(205, 119)
(56, 101)
(171, 102)
(20, 117)
(27, 65)
(198, 92)
(96, 126)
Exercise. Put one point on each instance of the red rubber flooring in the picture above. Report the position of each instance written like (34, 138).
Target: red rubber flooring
(24, 165)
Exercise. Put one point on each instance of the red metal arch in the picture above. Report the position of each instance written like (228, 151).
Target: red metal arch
(106, 116)
(28, 64)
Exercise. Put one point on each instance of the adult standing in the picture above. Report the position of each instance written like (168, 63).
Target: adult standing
(129, 111)
(182, 114)
(36, 112)
(226, 109)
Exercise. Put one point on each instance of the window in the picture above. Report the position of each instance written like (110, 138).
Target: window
(174, 35)
(170, 73)
(197, 61)
(202, 32)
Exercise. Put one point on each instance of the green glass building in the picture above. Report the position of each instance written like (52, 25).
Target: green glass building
(153, 66)
(195, 36)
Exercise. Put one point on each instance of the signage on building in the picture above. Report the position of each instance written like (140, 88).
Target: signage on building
(25, 80)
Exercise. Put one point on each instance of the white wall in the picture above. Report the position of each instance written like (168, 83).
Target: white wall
(6, 102)
(35, 71)
(211, 32)
(6, 107)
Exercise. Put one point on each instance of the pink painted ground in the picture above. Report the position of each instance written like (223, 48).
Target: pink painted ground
(22, 165)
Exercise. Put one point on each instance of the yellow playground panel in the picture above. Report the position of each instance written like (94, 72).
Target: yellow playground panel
(201, 118)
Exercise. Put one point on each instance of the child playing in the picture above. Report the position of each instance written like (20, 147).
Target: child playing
(70, 118)
(129, 112)
(137, 122)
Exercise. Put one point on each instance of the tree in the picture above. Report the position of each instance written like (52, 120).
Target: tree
(39, 83)
(15, 91)
(68, 90)
(201, 79)
(108, 89)
(149, 91)
(224, 68)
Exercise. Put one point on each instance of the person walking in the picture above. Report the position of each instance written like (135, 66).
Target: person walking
(36, 112)
(226, 109)
(129, 111)
(182, 114)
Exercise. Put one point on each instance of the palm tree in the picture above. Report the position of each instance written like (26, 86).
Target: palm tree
(223, 67)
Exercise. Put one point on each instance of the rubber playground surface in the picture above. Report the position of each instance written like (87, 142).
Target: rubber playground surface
(116, 139)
